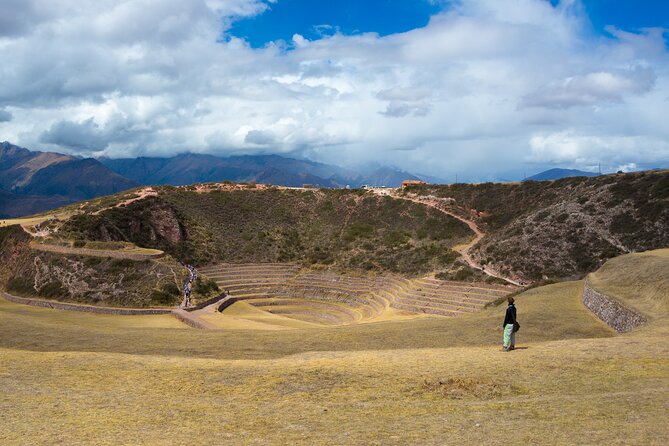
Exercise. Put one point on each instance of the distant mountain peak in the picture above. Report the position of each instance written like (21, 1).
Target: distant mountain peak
(558, 173)
(39, 181)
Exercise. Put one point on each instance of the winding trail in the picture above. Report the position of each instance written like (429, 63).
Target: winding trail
(139, 195)
(463, 250)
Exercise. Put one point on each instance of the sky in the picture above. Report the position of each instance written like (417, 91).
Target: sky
(485, 89)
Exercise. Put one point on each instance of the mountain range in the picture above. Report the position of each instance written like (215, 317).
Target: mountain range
(270, 169)
(33, 182)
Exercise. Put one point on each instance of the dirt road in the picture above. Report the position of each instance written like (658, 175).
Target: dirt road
(464, 250)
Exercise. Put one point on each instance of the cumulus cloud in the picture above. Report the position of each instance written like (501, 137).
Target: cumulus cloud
(78, 135)
(487, 85)
(592, 89)
(259, 137)
(569, 147)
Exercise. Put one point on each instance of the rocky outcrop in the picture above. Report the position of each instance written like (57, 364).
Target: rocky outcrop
(165, 224)
(616, 315)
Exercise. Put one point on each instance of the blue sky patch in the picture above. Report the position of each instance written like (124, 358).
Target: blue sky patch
(313, 19)
(629, 15)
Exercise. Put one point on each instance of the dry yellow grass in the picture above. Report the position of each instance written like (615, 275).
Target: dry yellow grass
(69, 378)
(243, 316)
(32, 221)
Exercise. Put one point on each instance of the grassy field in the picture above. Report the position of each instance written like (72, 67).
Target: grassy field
(70, 378)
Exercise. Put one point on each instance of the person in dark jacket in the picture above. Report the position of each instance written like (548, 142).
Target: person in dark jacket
(508, 325)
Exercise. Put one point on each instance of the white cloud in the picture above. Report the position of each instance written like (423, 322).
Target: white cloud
(572, 148)
(488, 85)
(592, 89)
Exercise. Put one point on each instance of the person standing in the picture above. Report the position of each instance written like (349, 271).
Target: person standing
(510, 326)
(187, 293)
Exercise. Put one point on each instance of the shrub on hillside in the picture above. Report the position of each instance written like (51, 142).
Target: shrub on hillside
(170, 288)
(53, 289)
(204, 287)
(359, 230)
(162, 298)
(20, 285)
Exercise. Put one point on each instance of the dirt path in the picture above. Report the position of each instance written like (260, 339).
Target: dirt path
(464, 250)
(141, 194)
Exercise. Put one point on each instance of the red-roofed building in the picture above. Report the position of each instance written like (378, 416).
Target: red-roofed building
(407, 183)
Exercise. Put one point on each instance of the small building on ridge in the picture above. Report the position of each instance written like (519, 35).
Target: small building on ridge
(407, 183)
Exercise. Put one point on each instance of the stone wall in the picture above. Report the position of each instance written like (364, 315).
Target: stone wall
(225, 303)
(84, 308)
(192, 320)
(616, 315)
(119, 254)
(206, 303)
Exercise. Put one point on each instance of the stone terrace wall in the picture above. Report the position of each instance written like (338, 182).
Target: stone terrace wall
(85, 308)
(206, 303)
(96, 252)
(616, 315)
(192, 320)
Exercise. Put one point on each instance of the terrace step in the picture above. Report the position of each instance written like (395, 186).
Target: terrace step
(426, 310)
(451, 294)
(449, 305)
(474, 303)
(437, 305)
(334, 318)
(268, 268)
(251, 296)
(357, 312)
(501, 288)
(460, 291)
(253, 288)
(282, 288)
(289, 303)
(246, 277)
(257, 282)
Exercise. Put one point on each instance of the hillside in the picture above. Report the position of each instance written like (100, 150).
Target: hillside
(563, 228)
(98, 280)
(532, 230)
(341, 229)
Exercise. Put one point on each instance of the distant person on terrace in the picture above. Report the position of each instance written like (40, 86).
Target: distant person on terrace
(510, 326)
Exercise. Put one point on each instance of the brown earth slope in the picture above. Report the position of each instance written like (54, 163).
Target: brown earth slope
(564, 228)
